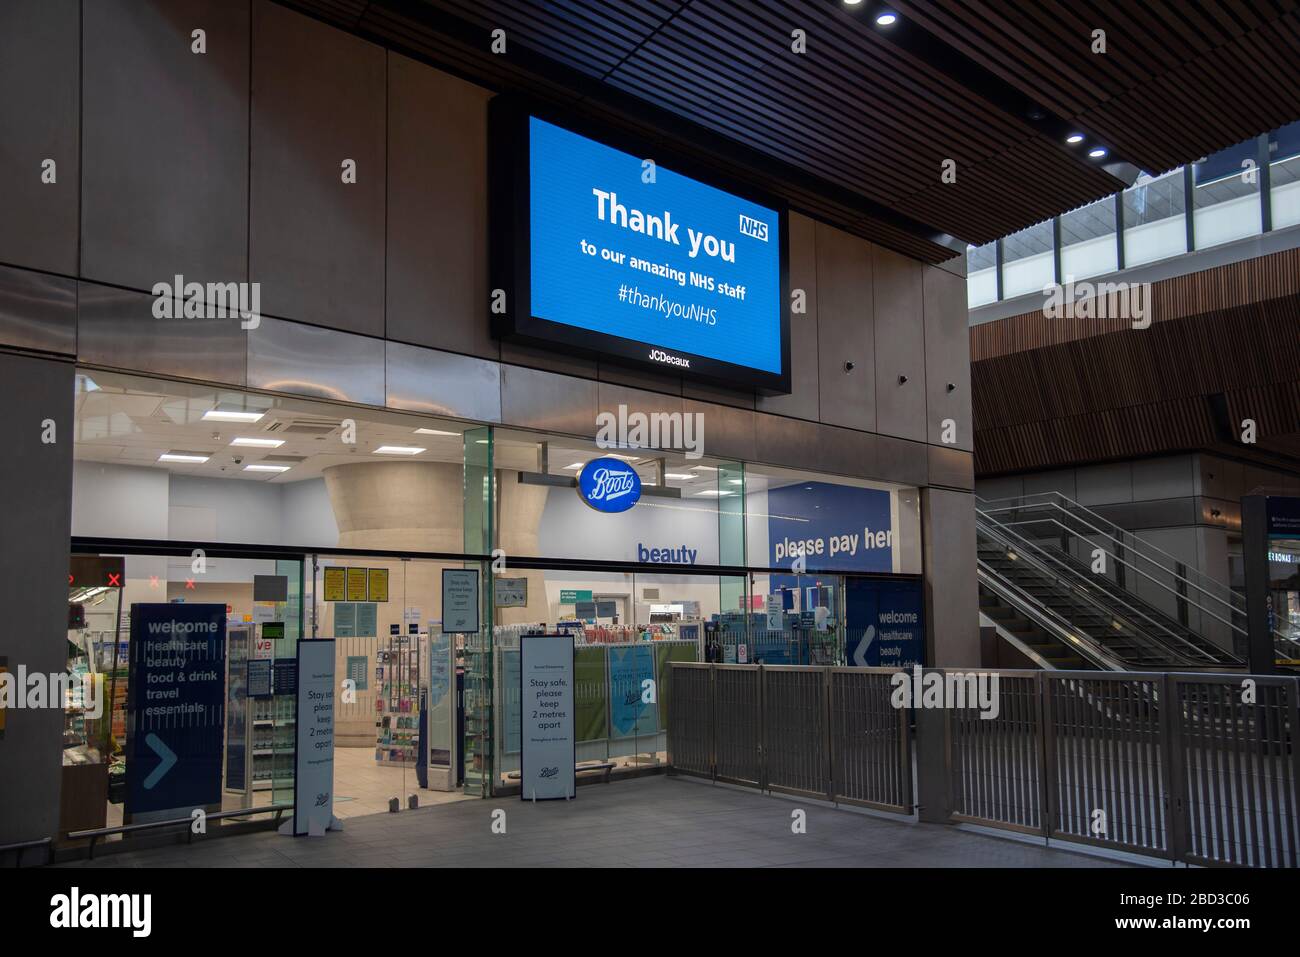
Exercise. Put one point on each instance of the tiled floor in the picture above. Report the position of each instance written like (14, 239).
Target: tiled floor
(361, 786)
(655, 821)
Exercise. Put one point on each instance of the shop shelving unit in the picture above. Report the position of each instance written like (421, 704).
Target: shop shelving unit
(398, 703)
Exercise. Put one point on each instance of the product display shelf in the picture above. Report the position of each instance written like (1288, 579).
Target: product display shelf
(272, 734)
(397, 718)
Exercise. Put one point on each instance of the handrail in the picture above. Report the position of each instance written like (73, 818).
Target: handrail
(1135, 569)
(21, 846)
(1062, 627)
(1281, 641)
(1234, 601)
(95, 833)
(1014, 640)
(1087, 646)
(1124, 537)
(1091, 586)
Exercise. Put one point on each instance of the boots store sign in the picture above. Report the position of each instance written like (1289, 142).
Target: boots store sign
(617, 253)
(608, 485)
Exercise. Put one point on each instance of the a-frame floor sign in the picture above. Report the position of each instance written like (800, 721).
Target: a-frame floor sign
(546, 718)
(313, 760)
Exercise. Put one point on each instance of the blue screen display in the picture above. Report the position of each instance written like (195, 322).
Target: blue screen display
(673, 263)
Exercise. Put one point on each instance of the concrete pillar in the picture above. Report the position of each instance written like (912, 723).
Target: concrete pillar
(949, 579)
(36, 486)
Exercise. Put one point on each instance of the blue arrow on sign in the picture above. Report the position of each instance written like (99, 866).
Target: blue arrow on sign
(168, 760)
(860, 655)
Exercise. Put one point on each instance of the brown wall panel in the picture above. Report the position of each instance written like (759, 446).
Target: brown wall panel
(899, 345)
(844, 330)
(947, 357)
(317, 244)
(437, 210)
(165, 142)
(1054, 392)
(40, 101)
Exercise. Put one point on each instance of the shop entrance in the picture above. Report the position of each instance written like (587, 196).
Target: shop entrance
(397, 707)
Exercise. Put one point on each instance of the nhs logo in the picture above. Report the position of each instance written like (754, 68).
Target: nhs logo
(608, 485)
(753, 228)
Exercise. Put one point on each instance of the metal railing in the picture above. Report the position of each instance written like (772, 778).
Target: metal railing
(1051, 622)
(96, 834)
(1192, 768)
(1162, 561)
(1119, 601)
(1162, 571)
(824, 732)
(1188, 767)
(19, 847)
(1150, 646)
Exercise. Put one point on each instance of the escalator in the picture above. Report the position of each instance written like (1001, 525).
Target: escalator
(1140, 610)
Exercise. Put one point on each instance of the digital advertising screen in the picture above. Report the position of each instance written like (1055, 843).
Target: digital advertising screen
(619, 254)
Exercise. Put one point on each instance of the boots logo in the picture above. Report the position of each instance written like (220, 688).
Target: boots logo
(608, 485)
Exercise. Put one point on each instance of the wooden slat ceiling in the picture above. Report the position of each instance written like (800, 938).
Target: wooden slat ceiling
(1223, 346)
(1178, 80)
(853, 132)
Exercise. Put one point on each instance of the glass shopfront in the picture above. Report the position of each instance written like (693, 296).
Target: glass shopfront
(361, 510)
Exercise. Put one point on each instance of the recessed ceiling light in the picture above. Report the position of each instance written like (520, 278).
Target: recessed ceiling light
(266, 468)
(886, 19)
(1097, 153)
(713, 491)
(193, 458)
(225, 415)
(434, 432)
(576, 465)
(704, 468)
(399, 450)
(736, 481)
(852, 3)
(683, 476)
(1074, 138)
(249, 443)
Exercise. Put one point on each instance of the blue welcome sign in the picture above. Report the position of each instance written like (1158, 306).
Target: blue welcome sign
(608, 485)
(175, 707)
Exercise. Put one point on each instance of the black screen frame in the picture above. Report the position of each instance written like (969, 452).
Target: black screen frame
(509, 232)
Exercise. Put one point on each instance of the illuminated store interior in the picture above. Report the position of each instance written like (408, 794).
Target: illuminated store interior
(192, 482)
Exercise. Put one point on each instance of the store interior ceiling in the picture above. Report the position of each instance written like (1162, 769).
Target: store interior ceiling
(187, 430)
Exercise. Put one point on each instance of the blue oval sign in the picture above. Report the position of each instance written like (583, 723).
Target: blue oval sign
(608, 485)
